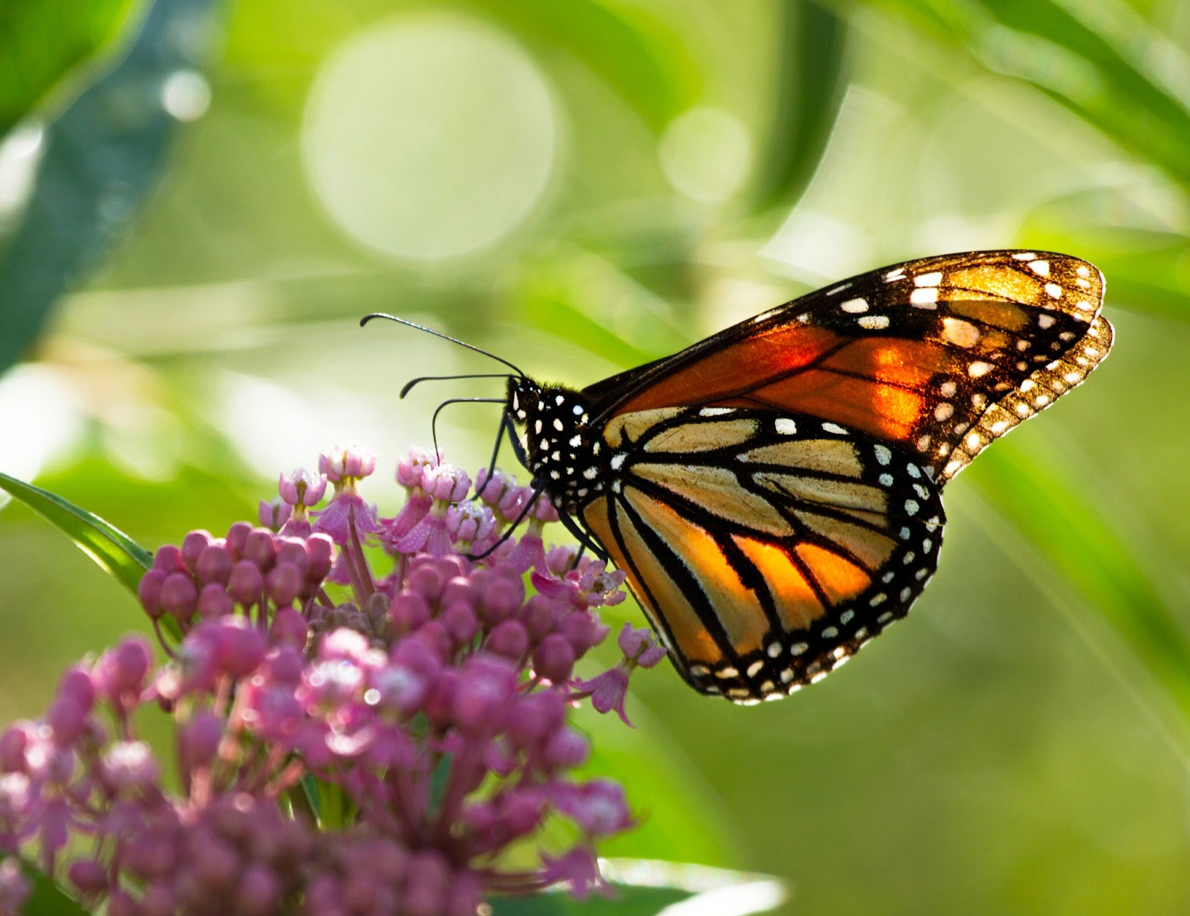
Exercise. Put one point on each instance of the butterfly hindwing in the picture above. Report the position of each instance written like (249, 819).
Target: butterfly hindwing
(766, 548)
(917, 354)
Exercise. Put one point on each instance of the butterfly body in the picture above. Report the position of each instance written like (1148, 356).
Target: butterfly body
(773, 493)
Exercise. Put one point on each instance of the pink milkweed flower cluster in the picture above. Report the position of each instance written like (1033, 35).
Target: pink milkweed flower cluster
(375, 748)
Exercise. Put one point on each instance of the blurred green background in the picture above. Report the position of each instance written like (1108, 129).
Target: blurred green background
(198, 200)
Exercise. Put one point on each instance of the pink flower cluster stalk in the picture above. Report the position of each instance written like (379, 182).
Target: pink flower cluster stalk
(372, 753)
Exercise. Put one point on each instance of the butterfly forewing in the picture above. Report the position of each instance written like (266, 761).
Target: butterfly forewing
(765, 548)
(918, 354)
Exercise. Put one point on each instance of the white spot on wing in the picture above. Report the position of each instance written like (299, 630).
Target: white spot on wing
(924, 297)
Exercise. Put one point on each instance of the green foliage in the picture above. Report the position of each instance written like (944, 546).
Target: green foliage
(100, 157)
(40, 43)
(114, 551)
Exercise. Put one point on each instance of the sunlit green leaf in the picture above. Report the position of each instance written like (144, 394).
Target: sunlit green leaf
(97, 161)
(113, 550)
(811, 80)
(41, 41)
(645, 887)
(1097, 64)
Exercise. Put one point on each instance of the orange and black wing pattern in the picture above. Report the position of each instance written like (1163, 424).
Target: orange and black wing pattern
(939, 355)
(765, 548)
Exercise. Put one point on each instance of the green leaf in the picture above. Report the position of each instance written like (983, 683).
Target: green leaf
(1098, 64)
(41, 42)
(810, 84)
(643, 887)
(47, 898)
(117, 553)
(98, 161)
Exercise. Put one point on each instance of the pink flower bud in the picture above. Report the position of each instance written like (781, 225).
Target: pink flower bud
(242, 647)
(214, 602)
(237, 534)
(245, 583)
(261, 548)
(294, 552)
(554, 658)
(508, 639)
(13, 742)
(503, 597)
(192, 545)
(168, 559)
(321, 551)
(583, 630)
(148, 591)
(285, 583)
(460, 622)
(409, 611)
(214, 564)
(179, 596)
(426, 580)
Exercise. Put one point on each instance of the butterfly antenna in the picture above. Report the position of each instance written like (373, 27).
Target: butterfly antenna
(447, 378)
(454, 340)
(438, 410)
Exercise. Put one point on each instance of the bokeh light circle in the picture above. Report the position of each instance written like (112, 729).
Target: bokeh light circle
(429, 136)
(705, 153)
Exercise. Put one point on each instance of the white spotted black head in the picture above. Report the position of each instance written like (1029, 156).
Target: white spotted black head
(559, 446)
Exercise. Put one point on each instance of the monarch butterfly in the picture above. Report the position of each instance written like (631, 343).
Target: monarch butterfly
(773, 493)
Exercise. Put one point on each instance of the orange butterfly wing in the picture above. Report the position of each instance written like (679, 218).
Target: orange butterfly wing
(940, 355)
(765, 549)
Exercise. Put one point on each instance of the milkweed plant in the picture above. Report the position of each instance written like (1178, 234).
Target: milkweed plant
(367, 715)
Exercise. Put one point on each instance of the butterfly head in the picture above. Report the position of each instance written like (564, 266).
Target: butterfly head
(558, 445)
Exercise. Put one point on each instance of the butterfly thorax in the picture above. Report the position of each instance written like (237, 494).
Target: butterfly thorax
(561, 448)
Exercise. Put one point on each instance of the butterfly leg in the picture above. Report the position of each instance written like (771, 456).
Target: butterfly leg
(586, 542)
